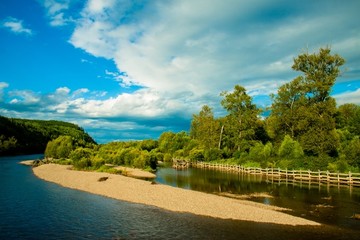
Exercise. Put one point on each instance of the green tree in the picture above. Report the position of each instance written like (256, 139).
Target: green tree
(348, 117)
(7, 145)
(242, 118)
(304, 109)
(170, 142)
(287, 111)
(60, 147)
(205, 128)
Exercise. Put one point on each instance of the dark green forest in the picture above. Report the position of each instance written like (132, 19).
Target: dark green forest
(24, 136)
(304, 130)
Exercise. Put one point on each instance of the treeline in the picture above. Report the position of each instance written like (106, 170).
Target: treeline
(305, 129)
(24, 136)
(139, 154)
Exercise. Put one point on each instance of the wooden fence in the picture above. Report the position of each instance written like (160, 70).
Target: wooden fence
(289, 176)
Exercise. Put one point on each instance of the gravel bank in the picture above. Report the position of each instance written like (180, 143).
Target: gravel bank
(166, 197)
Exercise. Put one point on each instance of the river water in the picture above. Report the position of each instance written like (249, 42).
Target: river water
(325, 204)
(31, 208)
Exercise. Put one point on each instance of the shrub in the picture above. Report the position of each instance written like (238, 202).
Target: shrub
(97, 162)
(255, 152)
(197, 155)
(60, 147)
(212, 154)
(108, 169)
(251, 164)
(285, 164)
(167, 157)
(82, 164)
(80, 153)
(290, 148)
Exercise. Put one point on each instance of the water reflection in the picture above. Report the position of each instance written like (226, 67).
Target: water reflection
(322, 203)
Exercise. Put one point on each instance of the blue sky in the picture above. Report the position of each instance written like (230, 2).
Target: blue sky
(127, 70)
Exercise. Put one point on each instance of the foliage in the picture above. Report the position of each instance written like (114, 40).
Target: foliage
(60, 147)
(24, 136)
(305, 130)
(205, 128)
(290, 148)
(304, 109)
(242, 118)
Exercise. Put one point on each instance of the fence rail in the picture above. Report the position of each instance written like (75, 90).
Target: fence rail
(294, 176)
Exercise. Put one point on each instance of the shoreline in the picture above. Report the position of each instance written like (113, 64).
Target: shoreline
(167, 197)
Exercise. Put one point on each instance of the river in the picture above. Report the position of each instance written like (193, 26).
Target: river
(325, 204)
(31, 208)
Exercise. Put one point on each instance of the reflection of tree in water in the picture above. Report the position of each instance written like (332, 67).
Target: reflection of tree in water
(327, 205)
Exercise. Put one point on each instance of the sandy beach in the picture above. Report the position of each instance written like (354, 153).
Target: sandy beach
(166, 197)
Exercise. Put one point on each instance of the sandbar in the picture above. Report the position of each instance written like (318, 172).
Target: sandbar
(135, 172)
(27, 162)
(166, 197)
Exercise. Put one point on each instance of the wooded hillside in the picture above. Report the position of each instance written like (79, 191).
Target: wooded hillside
(24, 136)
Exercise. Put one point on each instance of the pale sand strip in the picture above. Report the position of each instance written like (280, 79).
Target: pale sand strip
(135, 172)
(165, 197)
(27, 162)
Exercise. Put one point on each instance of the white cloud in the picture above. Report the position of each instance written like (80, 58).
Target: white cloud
(348, 97)
(142, 103)
(3, 85)
(56, 11)
(96, 6)
(25, 97)
(79, 92)
(16, 26)
(199, 47)
(184, 52)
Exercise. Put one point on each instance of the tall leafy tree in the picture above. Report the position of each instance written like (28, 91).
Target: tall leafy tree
(304, 108)
(205, 128)
(242, 117)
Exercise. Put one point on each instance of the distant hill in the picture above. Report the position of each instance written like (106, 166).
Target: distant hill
(24, 136)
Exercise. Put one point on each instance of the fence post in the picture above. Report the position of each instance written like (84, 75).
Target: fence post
(327, 176)
(350, 180)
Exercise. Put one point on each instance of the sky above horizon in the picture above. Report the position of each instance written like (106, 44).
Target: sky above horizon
(130, 70)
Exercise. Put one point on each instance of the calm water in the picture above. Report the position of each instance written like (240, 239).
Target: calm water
(34, 209)
(325, 204)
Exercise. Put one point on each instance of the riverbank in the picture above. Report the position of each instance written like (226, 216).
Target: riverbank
(166, 197)
(135, 172)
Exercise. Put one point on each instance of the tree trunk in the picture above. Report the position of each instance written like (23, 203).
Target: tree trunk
(221, 133)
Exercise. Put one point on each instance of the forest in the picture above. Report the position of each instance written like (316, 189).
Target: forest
(24, 136)
(304, 130)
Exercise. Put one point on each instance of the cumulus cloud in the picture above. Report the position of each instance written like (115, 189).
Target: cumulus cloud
(200, 47)
(16, 26)
(348, 97)
(144, 103)
(56, 11)
(142, 114)
(183, 53)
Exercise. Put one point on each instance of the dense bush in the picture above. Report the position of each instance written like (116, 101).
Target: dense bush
(61, 147)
